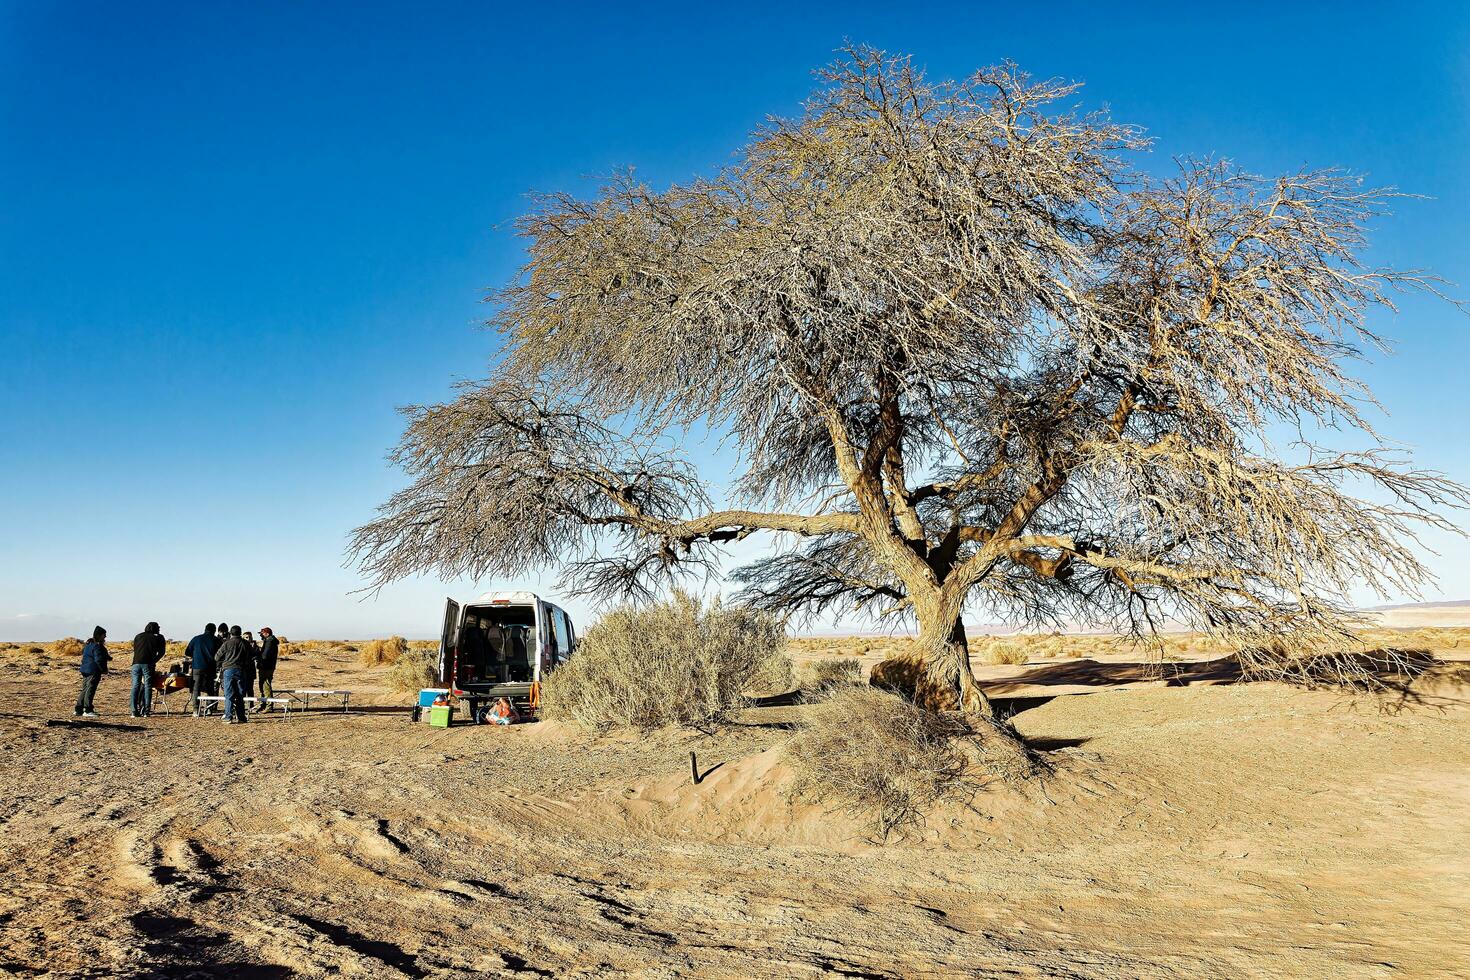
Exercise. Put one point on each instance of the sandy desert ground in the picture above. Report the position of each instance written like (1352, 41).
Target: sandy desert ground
(1193, 828)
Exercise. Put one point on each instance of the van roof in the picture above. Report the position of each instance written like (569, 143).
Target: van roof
(519, 597)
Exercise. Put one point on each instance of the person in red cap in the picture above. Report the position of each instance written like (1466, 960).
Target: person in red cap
(265, 665)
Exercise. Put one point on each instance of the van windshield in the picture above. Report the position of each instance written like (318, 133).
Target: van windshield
(497, 644)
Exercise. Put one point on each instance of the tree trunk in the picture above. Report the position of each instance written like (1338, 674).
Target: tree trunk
(948, 654)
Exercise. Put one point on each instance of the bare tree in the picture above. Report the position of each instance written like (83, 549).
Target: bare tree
(970, 357)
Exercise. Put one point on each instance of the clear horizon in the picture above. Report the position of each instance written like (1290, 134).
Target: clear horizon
(239, 236)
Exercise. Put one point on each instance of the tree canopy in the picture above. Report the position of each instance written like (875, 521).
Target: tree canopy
(971, 357)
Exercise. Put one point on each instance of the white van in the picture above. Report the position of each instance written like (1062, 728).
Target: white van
(502, 644)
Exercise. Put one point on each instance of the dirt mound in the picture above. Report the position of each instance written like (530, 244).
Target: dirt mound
(747, 799)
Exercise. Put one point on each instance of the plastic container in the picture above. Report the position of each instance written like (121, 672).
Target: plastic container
(440, 715)
(428, 694)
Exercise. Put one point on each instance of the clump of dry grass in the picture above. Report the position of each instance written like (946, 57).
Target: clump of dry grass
(879, 756)
(772, 674)
(875, 754)
(376, 653)
(995, 650)
(679, 662)
(67, 646)
(417, 667)
(823, 675)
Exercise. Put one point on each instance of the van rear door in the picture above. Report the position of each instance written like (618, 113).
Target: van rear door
(448, 638)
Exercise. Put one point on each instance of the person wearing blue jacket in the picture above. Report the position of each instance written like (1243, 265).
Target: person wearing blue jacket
(200, 652)
(94, 665)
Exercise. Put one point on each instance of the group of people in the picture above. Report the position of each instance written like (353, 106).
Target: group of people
(222, 661)
(229, 663)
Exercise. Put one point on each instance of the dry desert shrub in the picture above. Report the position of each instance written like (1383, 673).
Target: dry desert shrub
(1007, 651)
(416, 668)
(329, 646)
(67, 646)
(773, 674)
(679, 662)
(1045, 646)
(824, 675)
(876, 755)
(376, 653)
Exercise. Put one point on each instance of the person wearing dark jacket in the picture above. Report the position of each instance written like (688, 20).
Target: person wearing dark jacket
(231, 660)
(201, 651)
(223, 634)
(93, 666)
(247, 669)
(148, 650)
(265, 665)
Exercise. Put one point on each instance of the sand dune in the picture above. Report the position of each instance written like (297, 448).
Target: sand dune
(1191, 830)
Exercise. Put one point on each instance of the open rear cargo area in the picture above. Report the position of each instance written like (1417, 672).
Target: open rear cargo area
(498, 644)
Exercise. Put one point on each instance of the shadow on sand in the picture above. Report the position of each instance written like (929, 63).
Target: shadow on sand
(83, 723)
(1389, 674)
(1101, 675)
(179, 949)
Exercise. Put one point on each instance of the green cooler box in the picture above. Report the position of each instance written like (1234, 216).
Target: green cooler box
(439, 715)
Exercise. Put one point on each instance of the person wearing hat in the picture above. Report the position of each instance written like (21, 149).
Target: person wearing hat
(265, 666)
(94, 665)
(231, 662)
(148, 650)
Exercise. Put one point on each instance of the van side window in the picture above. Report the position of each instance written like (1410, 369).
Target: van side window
(552, 647)
(559, 627)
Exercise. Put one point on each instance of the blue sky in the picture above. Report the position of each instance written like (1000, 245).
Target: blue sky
(234, 237)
